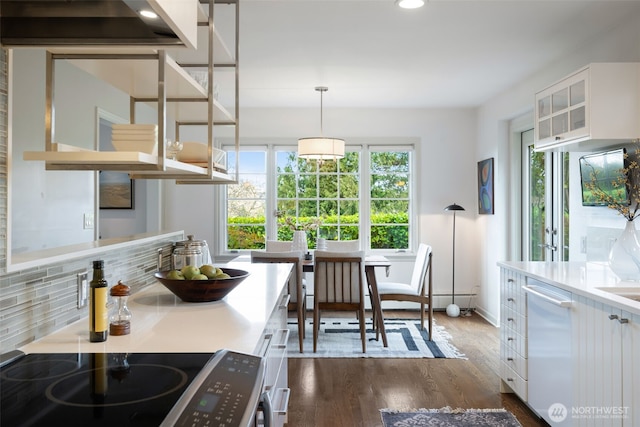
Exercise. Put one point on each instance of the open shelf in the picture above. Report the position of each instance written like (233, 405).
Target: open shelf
(155, 76)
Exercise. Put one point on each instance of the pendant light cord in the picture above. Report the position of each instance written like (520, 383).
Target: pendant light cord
(321, 89)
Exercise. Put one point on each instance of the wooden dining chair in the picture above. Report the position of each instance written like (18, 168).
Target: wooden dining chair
(339, 286)
(296, 288)
(419, 290)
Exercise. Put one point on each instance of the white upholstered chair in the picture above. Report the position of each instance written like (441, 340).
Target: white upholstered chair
(339, 286)
(278, 246)
(343, 245)
(419, 290)
(297, 290)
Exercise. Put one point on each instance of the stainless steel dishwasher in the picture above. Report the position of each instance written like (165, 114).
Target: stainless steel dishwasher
(549, 312)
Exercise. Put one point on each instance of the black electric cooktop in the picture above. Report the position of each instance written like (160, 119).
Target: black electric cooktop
(102, 389)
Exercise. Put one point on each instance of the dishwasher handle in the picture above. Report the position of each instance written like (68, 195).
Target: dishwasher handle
(534, 290)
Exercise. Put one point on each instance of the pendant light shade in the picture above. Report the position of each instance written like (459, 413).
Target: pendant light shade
(410, 4)
(319, 147)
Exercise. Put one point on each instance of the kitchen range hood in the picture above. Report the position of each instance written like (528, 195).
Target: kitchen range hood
(30, 23)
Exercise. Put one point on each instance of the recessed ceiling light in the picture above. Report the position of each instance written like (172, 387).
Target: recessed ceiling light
(410, 4)
(146, 13)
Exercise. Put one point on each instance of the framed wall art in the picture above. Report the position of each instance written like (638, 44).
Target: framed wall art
(485, 187)
(116, 190)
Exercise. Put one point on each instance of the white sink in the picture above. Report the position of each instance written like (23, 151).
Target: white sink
(631, 292)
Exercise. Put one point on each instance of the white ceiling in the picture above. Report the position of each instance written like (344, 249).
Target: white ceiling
(370, 53)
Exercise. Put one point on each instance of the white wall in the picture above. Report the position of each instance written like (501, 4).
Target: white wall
(55, 201)
(446, 170)
(620, 44)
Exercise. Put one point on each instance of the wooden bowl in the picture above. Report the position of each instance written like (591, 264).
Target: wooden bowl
(203, 290)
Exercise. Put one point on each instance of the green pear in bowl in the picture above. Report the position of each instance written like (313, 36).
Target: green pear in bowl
(208, 270)
(175, 275)
(189, 271)
(199, 277)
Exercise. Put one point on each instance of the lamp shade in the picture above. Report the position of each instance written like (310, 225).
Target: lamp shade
(454, 207)
(321, 148)
(410, 4)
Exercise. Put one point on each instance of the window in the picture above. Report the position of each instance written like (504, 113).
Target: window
(246, 202)
(366, 196)
(389, 201)
(329, 193)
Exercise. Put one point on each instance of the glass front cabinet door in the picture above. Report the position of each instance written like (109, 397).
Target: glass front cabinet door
(595, 106)
(561, 111)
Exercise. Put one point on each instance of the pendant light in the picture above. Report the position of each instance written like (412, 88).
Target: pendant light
(321, 148)
(410, 4)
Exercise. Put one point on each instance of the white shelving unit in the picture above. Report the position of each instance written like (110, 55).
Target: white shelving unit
(159, 78)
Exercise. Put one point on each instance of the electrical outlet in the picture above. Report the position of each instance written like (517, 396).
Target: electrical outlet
(83, 289)
(88, 221)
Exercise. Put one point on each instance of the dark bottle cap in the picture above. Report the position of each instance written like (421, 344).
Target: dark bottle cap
(98, 264)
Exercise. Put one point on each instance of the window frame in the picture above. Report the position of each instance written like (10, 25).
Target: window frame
(407, 144)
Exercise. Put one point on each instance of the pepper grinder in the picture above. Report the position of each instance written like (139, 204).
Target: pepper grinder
(120, 319)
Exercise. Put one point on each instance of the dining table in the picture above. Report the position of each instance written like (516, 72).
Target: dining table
(370, 264)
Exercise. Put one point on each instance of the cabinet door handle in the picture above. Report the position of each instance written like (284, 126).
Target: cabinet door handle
(510, 280)
(284, 303)
(510, 379)
(558, 138)
(511, 300)
(510, 359)
(622, 320)
(510, 319)
(510, 339)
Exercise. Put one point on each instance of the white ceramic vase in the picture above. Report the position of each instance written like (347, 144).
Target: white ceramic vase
(624, 257)
(299, 242)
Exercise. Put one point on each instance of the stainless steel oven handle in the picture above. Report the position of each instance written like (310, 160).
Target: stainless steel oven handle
(560, 303)
(266, 408)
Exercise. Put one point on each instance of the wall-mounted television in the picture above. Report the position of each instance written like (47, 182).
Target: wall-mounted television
(607, 168)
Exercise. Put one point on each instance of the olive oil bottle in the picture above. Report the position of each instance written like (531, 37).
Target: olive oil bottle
(98, 310)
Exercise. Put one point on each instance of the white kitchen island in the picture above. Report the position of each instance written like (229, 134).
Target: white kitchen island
(252, 318)
(161, 322)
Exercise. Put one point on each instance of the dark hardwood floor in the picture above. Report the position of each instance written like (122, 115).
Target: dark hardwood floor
(350, 392)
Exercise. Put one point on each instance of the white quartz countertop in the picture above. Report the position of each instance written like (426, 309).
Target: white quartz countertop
(592, 280)
(162, 323)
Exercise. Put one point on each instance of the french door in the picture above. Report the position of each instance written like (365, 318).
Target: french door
(545, 209)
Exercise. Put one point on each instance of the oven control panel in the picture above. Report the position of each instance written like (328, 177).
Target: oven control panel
(225, 394)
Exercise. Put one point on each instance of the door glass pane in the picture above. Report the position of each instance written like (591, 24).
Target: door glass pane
(564, 254)
(560, 124)
(577, 118)
(537, 213)
(576, 92)
(544, 129)
(544, 106)
(560, 100)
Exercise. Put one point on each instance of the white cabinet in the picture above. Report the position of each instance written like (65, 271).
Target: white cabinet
(513, 333)
(590, 108)
(274, 349)
(606, 375)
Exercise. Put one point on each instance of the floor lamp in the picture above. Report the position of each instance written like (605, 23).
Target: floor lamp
(452, 309)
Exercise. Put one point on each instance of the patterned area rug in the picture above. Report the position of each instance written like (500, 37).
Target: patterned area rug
(341, 338)
(447, 417)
